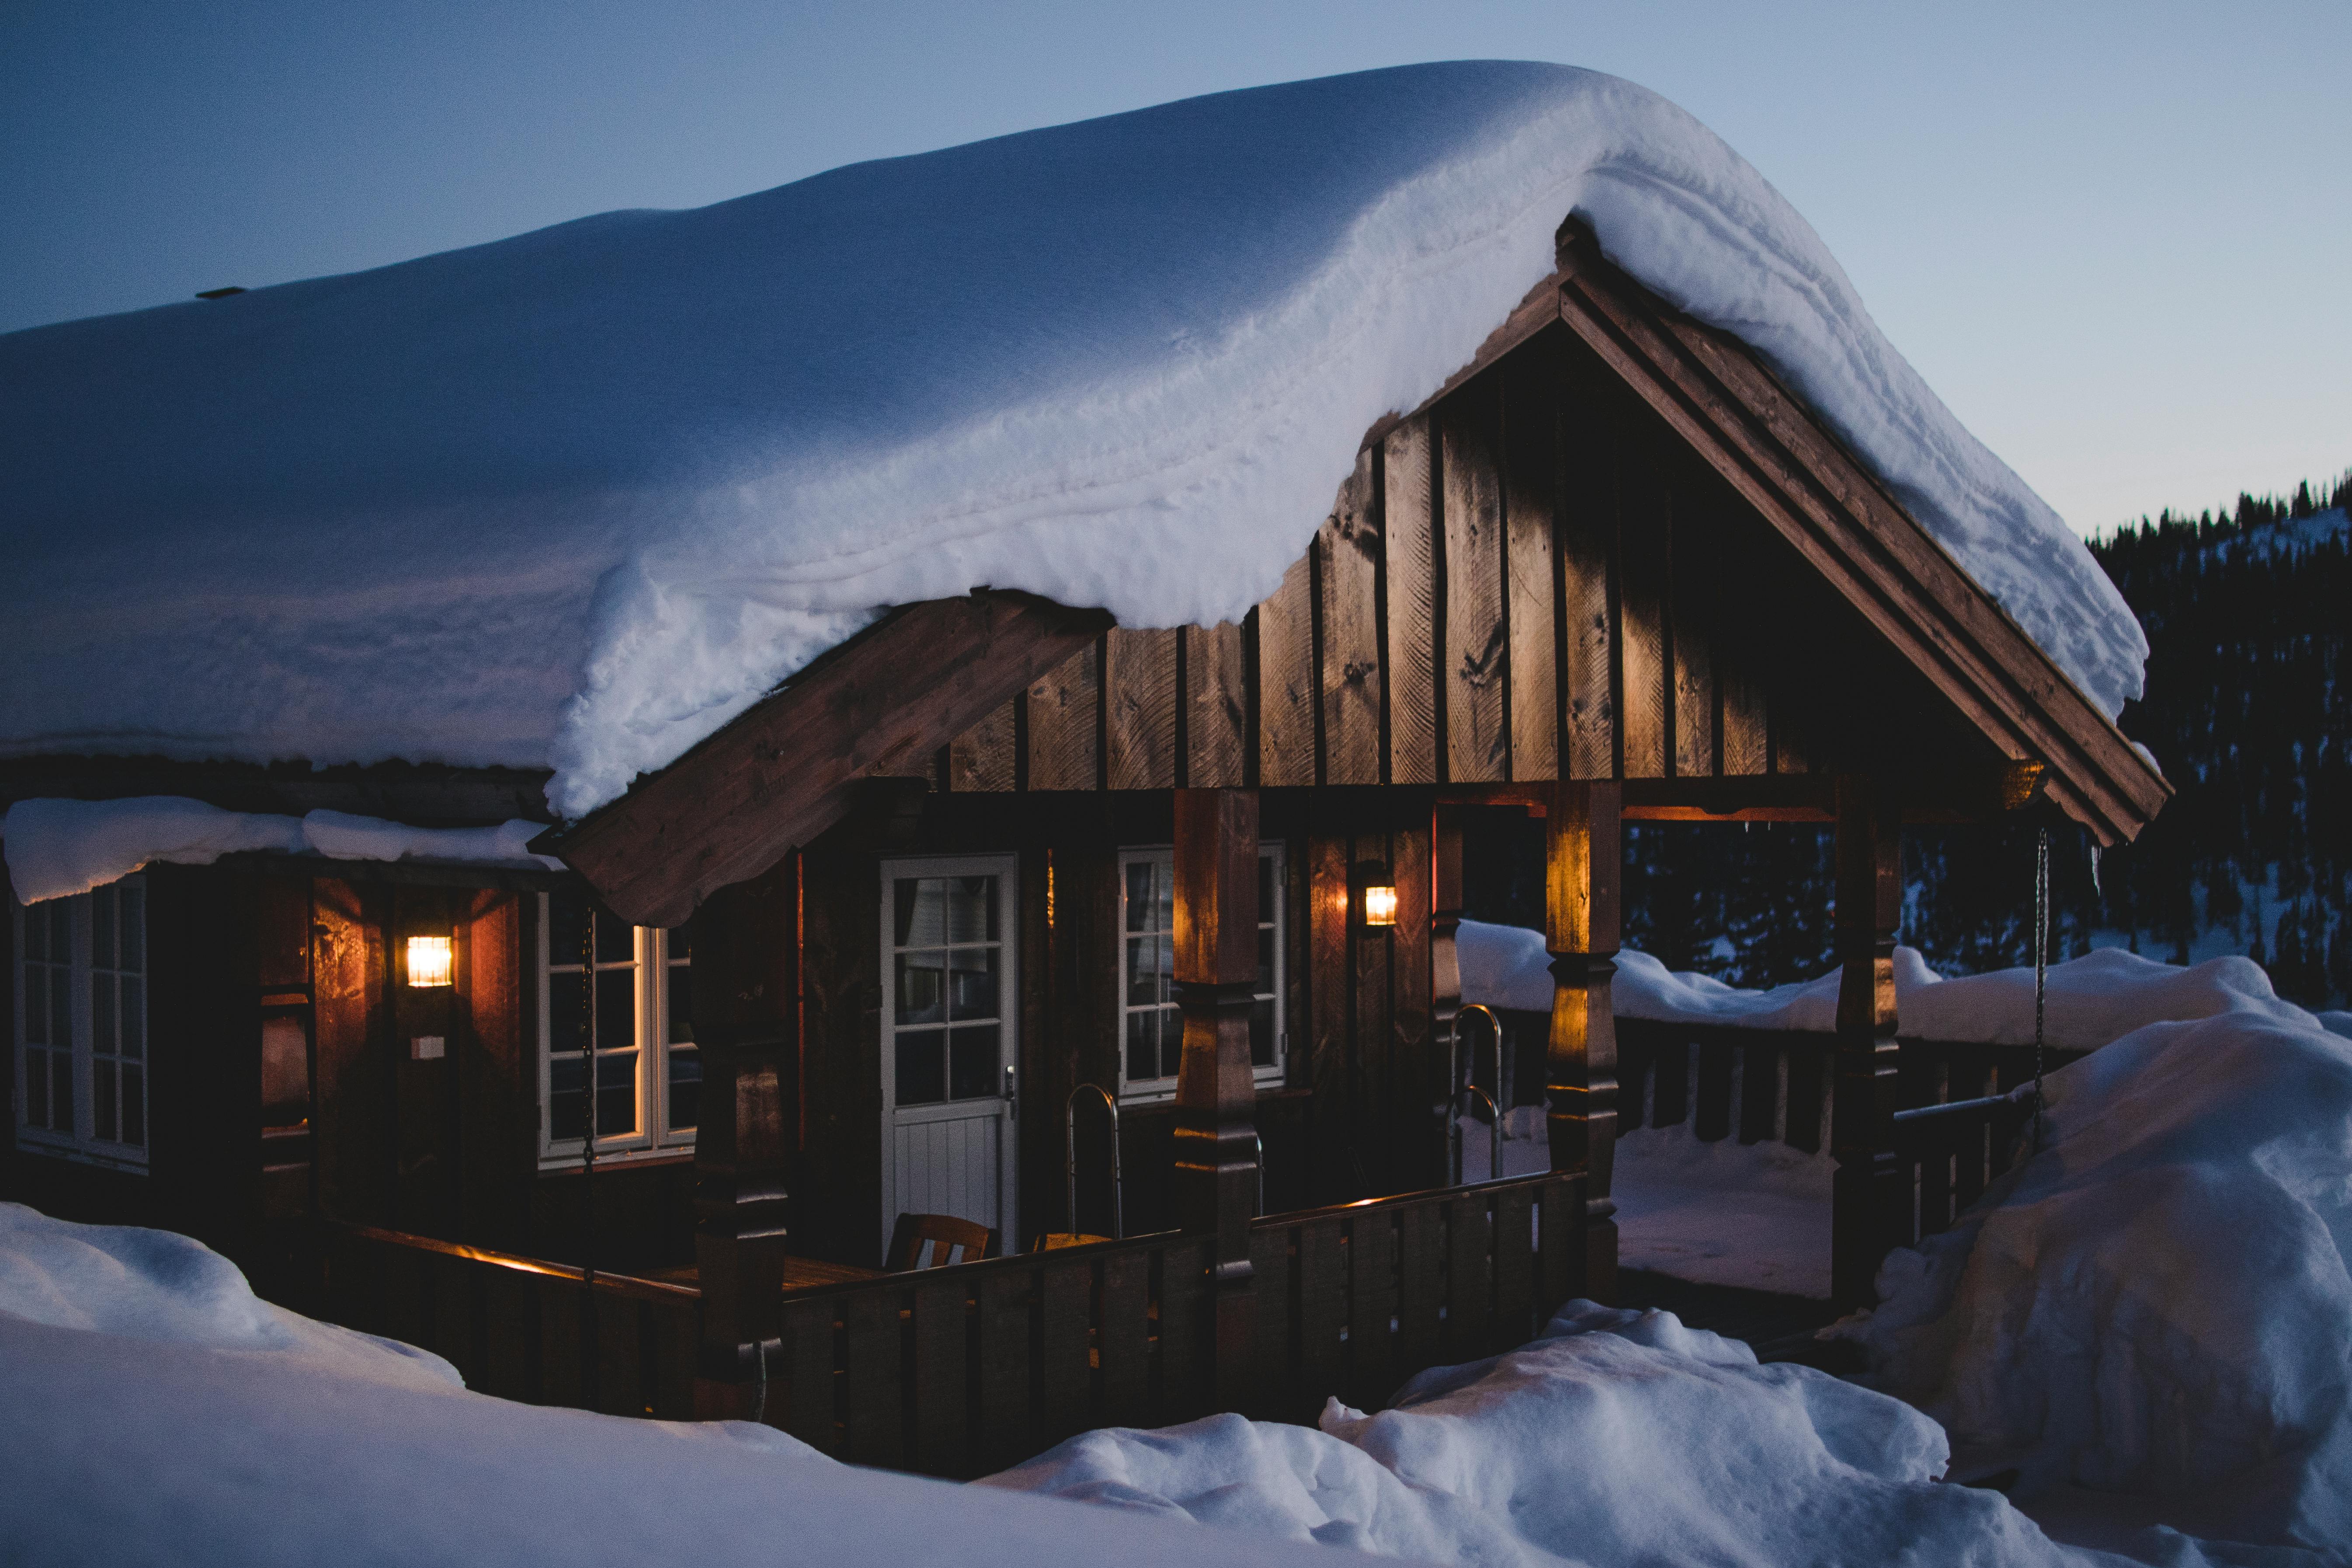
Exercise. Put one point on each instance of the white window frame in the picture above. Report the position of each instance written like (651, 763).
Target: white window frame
(128, 991)
(653, 1138)
(1270, 1076)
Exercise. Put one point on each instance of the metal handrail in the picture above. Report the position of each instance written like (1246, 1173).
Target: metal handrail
(1458, 1079)
(1070, 1145)
(1494, 1132)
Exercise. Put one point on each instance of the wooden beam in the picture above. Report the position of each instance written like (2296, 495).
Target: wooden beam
(1354, 684)
(1869, 1194)
(1410, 572)
(747, 1027)
(1584, 859)
(1216, 977)
(782, 773)
(1733, 412)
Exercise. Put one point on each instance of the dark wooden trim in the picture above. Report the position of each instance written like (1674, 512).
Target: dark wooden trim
(782, 772)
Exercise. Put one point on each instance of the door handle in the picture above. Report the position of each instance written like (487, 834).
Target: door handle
(1012, 1102)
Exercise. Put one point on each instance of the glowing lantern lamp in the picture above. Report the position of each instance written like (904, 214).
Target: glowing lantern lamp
(428, 961)
(1380, 903)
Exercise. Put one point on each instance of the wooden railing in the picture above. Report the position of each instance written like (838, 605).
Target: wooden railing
(1955, 1129)
(961, 1371)
(518, 1327)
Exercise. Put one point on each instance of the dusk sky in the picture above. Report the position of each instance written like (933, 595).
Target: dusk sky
(2118, 238)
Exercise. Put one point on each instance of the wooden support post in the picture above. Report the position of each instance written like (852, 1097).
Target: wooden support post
(1584, 855)
(1866, 1195)
(1216, 975)
(1445, 970)
(747, 1023)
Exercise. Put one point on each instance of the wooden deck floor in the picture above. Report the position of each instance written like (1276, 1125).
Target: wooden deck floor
(1778, 1328)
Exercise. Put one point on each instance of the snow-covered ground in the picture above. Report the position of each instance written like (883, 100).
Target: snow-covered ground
(578, 497)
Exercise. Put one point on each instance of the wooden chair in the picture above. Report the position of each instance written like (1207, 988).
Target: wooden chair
(935, 1241)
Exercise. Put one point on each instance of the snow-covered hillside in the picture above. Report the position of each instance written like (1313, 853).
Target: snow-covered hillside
(579, 496)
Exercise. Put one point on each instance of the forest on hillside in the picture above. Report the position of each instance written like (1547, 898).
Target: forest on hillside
(2249, 711)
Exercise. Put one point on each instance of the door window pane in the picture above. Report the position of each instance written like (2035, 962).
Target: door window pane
(922, 993)
(922, 1066)
(972, 1063)
(972, 983)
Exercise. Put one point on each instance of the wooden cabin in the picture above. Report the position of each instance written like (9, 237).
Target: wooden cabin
(858, 954)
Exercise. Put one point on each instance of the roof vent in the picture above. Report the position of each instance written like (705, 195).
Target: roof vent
(217, 293)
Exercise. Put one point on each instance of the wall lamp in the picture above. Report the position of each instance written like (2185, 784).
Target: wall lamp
(1377, 903)
(428, 962)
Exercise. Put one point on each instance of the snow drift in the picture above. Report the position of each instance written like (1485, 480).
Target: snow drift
(2157, 1303)
(579, 496)
(1618, 1436)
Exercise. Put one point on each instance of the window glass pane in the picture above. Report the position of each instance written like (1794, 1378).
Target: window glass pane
(1262, 1034)
(1265, 887)
(922, 1066)
(1264, 961)
(567, 1113)
(616, 1009)
(972, 983)
(36, 1089)
(972, 1063)
(1140, 903)
(60, 1008)
(567, 929)
(1142, 1045)
(1171, 1041)
(36, 1003)
(919, 912)
(102, 928)
(567, 1013)
(134, 929)
(61, 931)
(285, 1071)
(679, 1003)
(134, 1107)
(101, 1012)
(36, 934)
(923, 994)
(972, 908)
(134, 1016)
(685, 1089)
(1164, 883)
(616, 940)
(61, 1087)
(616, 1094)
(679, 941)
(102, 1081)
(1143, 986)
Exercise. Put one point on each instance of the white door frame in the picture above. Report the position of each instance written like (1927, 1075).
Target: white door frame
(1005, 869)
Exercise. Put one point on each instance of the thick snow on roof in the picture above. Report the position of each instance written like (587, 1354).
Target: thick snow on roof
(579, 496)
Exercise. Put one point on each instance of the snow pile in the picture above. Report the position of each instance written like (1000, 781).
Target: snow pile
(2086, 1002)
(154, 1416)
(580, 497)
(58, 848)
(152, 1285)
(2157, 1303)
(1618, 1436)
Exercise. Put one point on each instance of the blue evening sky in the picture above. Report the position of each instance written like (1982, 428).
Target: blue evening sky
(2116, 238)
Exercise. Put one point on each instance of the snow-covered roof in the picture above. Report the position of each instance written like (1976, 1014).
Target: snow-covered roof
(578, 497)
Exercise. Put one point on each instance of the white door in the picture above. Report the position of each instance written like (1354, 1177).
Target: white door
(950, 994)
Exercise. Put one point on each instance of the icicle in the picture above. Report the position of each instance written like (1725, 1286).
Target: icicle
(2094, 872)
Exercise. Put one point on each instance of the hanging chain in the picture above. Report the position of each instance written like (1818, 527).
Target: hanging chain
(2041, 968)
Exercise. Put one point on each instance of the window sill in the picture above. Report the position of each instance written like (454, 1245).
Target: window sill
(661, 1159)
(77, 1154)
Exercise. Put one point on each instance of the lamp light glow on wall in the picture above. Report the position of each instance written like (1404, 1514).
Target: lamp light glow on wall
(428, 961)
(1380, 896)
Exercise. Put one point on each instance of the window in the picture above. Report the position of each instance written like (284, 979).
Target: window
(625, 994)
(1152, 1034)
(81, 1025)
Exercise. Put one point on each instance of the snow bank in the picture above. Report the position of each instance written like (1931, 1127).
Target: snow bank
(153, 1417)
(1755, 1216)
(58, 848)
(2158, 1302)
(1618, 1436)
(155, 1286)
(580, 497)
(2086, 1002)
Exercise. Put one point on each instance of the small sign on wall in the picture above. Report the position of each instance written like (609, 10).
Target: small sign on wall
(426, 1047)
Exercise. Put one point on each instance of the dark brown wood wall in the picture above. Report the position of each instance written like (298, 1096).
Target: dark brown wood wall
(1533, 579)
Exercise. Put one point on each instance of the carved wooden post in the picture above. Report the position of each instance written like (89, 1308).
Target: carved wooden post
(1584, 854)
(1216, 975)
(747, 1023)
(1866, 1194)
(1445, 969)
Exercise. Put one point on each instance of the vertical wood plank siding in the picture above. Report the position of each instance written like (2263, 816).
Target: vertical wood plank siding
(1531, 580)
